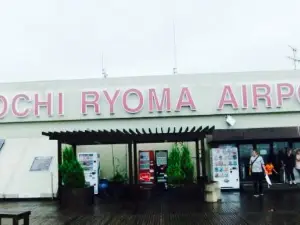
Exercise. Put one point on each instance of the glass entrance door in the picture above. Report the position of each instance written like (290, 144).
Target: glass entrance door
(245, 151)
(265, 151)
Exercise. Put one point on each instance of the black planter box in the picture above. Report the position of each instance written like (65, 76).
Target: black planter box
(76, 198)
(117, 189)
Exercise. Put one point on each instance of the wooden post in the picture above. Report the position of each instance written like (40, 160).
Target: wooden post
(130, 174)
(203, 159)
(135, 161)
(197, 161)
(74, 147)
(59, 161)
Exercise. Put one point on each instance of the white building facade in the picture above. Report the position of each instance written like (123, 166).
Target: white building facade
(254, 100)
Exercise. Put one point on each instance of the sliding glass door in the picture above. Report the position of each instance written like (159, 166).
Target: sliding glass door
(245, 151)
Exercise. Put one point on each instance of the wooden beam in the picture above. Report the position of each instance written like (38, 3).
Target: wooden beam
(130, 173)
(74, 147)
(59, 161)
(203, 159)
(197, 160)
(186, 130)
(119, 137)
(135, 161)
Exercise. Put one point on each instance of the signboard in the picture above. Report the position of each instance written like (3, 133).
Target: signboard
(41, 163)
(149, 97)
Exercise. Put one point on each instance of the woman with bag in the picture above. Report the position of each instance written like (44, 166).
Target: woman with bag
(257, 171)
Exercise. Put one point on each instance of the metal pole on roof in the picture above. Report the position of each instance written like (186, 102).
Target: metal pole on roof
(174, 39)
(104, 74)
(294, 57)
(174, 48)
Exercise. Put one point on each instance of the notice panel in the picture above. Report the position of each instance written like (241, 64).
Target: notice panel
(41, 163)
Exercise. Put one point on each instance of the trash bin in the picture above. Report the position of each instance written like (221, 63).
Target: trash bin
(102, 187)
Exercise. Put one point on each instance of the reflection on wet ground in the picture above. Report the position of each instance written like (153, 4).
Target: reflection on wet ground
(273, 208)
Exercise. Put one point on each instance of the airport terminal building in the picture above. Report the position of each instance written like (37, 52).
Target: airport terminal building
(263, 108)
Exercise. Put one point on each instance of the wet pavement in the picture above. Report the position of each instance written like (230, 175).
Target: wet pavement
(282, 208)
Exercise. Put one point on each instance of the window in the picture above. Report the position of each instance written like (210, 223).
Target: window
(279, 146)
(245, 150)
(264, 151)
(296, 145)
(225, 145)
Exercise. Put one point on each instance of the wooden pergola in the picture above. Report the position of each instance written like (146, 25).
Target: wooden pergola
(132, 137)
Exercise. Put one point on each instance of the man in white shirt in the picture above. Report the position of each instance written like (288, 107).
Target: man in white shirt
(257, 172)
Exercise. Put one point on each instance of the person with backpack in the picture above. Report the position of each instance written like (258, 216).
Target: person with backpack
(257, 171)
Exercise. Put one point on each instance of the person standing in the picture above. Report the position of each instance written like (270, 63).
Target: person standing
(257, 172)
(289, 164)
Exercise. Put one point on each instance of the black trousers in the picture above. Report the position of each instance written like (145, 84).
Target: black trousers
(290, 174)
(258, 182)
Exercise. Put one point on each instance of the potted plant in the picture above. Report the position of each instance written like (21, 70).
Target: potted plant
(174, 170)
(74, 193)
(117, 184)
(187, 166)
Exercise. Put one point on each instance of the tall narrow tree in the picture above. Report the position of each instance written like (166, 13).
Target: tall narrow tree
(174, 172)
(186, 163)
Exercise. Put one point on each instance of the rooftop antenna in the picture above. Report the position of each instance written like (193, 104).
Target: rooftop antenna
(175, 48)
(294, 57)
(104, 74)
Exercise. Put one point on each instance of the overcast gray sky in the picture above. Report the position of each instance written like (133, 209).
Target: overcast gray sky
(64, 39)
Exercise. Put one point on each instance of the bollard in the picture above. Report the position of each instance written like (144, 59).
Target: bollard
(218, 190)
(211, 192)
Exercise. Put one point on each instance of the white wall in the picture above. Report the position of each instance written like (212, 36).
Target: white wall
(206, 91)
(16, 158)
(22, 130)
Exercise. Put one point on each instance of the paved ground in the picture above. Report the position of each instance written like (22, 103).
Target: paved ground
(274, 208)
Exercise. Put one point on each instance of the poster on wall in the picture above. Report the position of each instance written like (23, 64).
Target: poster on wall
(90, 163)
(225, 167)
(2, 141)
(41, 163)
(297, 166)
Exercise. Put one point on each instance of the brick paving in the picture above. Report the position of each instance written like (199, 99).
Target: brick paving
(282, 208)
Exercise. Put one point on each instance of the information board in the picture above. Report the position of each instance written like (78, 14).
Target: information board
(41, 163)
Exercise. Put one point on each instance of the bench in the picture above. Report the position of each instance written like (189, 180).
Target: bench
(15, 216)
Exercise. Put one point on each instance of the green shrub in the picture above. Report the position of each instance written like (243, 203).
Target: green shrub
(118, 178)
(174, 171)
(71, 170)
(187, 166)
